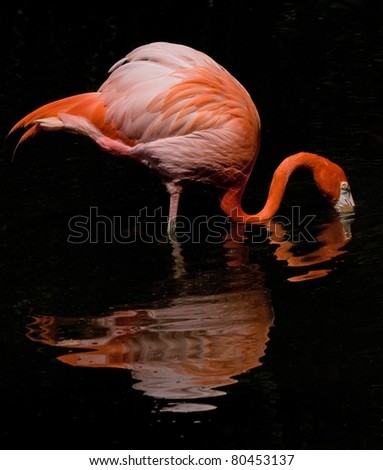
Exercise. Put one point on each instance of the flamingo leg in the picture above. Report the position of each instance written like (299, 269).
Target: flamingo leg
(175, 191)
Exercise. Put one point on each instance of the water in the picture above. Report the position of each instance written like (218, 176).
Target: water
(247, 342)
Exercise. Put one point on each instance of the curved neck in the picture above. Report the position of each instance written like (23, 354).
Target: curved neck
(231, 201)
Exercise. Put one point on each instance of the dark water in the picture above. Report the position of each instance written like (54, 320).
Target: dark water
(247, 342)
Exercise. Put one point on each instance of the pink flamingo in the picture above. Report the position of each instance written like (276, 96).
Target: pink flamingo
(182, 115)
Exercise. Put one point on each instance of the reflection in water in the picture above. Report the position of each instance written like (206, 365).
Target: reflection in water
(184, 350)
(330, 243)
(192, 343)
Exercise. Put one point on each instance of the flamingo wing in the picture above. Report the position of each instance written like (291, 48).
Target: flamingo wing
(189, 117)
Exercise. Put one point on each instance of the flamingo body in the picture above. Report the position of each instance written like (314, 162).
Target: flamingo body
(177, 111)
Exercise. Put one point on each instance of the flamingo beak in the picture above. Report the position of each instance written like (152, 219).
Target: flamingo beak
(345, 204)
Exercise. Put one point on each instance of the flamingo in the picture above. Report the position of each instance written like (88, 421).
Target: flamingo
(182, 115)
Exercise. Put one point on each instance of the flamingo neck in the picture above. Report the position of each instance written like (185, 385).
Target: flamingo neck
(231, 201)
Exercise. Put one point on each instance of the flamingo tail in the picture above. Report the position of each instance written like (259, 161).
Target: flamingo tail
(87, 105)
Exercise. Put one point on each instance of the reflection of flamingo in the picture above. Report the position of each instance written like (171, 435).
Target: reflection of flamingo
(187, 346)
(178, 112)
(184, 349)
(331, 239)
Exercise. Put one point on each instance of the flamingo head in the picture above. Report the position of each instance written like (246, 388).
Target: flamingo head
(333, 183)
(345, 203)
